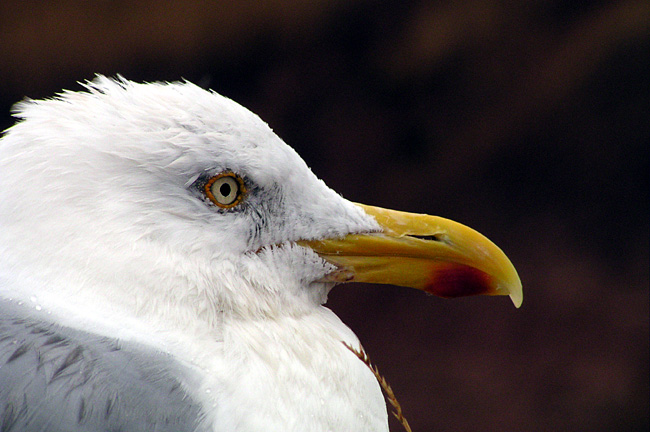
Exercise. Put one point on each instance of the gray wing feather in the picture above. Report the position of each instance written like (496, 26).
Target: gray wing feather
(57, 379)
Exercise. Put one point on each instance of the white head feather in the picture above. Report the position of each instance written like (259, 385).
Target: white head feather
(104, 223)
(105, 183)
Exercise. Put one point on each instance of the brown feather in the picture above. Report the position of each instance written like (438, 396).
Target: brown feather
(388, 391)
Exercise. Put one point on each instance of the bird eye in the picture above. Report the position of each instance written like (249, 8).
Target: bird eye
(225, 190)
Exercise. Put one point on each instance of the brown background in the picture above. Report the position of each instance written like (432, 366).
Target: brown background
(529, 121)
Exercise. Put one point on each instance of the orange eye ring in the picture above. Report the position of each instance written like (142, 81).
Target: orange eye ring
(225, 190)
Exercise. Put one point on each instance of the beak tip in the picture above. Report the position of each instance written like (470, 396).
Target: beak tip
(517, 299)
(516, 294)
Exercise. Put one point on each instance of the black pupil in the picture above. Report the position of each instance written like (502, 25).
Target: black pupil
(224, 189)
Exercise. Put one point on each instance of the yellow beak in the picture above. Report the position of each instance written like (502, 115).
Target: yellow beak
(430, 253)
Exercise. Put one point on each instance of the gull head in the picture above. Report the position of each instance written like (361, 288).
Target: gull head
(165, 195)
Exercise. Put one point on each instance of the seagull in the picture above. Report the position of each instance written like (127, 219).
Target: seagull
(165, 259)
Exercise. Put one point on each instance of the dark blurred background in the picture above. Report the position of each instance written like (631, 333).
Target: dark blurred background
(529, 121)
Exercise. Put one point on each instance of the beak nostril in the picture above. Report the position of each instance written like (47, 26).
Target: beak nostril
(426, 237)
(433, 237)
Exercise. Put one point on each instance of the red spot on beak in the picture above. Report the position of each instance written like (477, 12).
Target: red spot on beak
(457, 280)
